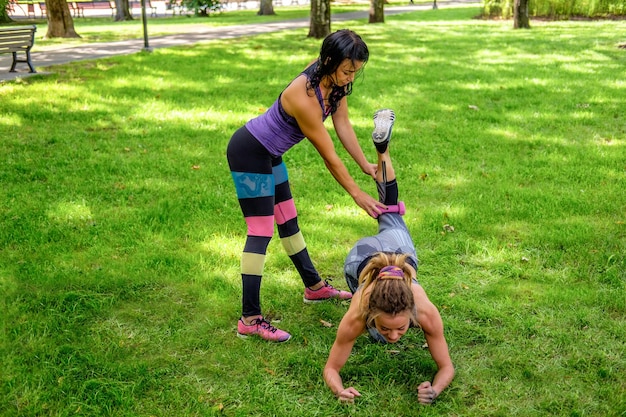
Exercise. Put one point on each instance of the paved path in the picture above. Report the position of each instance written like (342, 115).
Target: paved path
(198, 34)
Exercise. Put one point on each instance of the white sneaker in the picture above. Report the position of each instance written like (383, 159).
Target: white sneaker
(383, 123)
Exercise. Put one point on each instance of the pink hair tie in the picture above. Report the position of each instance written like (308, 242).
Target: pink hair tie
(391, 272)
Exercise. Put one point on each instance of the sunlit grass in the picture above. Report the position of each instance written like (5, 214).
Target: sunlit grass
(120, 234)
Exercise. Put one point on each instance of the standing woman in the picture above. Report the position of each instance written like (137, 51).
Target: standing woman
(260, 176)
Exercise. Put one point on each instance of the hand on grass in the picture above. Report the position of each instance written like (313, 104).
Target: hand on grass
(348, 395)
(425, 393)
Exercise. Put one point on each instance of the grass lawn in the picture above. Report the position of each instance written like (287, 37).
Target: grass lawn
(120, 232)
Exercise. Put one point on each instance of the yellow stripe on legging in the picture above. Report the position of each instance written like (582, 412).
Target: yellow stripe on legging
(252, 263)
(293, 244)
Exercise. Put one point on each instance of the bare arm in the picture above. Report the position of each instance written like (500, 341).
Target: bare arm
(350, 328)
(308, 114)
(348, 138)
(432, 325)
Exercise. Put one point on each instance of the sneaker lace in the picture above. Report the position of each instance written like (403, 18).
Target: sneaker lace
(266, 325)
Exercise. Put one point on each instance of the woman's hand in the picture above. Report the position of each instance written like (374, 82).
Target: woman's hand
(368, 203)
(425, 393)
(371, 170)
(348, 395)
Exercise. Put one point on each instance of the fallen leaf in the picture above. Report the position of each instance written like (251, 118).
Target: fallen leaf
(326, 324)
(472, 107)
(195, 167)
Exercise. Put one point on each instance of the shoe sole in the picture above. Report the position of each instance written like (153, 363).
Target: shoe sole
(307, 301)
(246, 336)
(383, 123)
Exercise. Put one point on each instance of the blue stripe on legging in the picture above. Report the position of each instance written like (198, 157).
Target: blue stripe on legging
(280, 173)
(251, 185)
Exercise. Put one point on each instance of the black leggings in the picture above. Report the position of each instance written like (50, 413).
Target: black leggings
(264, 195)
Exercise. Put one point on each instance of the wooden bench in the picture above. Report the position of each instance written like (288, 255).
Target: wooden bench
(241, 4)
(16, 39)
(42, 9)
(81, 6)
(76, 12)
(174, 6)
(137, 5)
(10, 7)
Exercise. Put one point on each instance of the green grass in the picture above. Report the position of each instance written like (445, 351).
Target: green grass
(120, 233)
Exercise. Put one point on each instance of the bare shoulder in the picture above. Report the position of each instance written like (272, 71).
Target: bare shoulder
(419, 293)
(352, 324)
(296, 98)
(427, 313)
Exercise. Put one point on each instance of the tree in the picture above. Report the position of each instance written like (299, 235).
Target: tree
(520, 15)
(377, 11)
(320, 19)
(60, 22)
(203, 7)
(266, 8)
(4, 15)
(122, 11)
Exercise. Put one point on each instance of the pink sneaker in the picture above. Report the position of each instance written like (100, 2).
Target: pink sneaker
(325, 293)
(263, 329)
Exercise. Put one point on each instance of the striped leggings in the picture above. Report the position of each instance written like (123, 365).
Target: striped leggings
(262, 186)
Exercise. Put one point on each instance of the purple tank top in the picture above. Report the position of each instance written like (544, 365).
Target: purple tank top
(276, 130)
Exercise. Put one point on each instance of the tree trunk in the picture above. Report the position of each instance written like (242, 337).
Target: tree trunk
(122, 11)
(377, 11)
(320, 19)
(266, 8)
(520, 15)
(60, 22)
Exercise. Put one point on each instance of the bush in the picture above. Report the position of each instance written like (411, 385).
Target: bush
(558, 9)
(498, 8)
(203, 7)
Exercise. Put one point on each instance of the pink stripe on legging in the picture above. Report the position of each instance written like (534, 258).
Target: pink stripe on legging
(260, 226)
(285, 211)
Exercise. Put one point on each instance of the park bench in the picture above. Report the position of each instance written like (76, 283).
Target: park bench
(149, 6)
(76, 12)
(31, 10)
(42, 9)
(175, 6)
(81, 6)
(16, 39)
(13, 5)
(241, 4)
